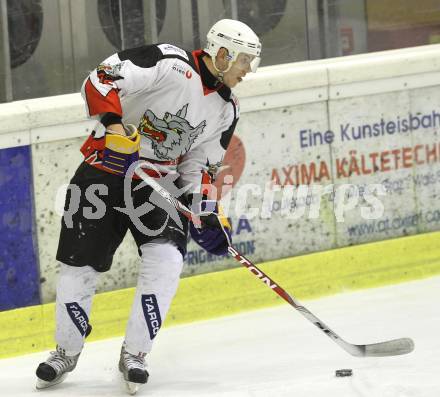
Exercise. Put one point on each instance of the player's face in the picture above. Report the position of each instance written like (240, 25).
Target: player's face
(238, 70)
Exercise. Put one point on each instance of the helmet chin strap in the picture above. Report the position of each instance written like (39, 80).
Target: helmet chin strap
(221, 72)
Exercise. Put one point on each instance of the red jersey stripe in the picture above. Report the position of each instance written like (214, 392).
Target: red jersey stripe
(97, 103)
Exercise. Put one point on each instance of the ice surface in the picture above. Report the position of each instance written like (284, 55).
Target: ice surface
(271, 352)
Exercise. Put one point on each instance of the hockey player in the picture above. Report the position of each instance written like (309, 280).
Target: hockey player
(185, 113)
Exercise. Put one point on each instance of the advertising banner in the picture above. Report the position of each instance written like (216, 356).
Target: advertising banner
(366, 170)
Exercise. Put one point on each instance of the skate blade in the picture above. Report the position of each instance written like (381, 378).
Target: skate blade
(42, 384)
(132, 387)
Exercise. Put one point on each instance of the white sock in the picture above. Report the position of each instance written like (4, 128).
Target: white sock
(75, 289)
(159, 274)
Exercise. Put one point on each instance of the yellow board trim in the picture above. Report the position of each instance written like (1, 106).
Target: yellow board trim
(31, 329)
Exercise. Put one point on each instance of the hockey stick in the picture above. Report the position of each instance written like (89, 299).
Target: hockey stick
(392, 347)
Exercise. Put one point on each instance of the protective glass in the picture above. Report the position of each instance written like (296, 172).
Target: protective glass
(247, 62)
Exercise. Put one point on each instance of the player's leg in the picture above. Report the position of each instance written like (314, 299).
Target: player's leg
(87, 243)
(75, 289)
(159, 273)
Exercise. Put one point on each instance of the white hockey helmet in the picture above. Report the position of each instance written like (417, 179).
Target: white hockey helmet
(237, 38)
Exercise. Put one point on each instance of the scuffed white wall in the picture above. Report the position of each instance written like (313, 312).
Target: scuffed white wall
(278, 104)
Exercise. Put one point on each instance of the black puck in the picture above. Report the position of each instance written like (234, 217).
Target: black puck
(343, 372)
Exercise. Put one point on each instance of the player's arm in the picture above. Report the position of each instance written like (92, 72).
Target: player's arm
(121, 75)
(198, 170)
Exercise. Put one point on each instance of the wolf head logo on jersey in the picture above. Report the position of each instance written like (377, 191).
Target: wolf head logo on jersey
(172, 136)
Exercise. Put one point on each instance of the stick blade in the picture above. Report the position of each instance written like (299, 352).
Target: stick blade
(395, 347)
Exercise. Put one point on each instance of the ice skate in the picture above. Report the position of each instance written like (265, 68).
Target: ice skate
(55, 369)
(133, 369)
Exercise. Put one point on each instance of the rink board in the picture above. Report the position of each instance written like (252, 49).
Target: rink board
(298, 123)
(286, 110)
(226, 292)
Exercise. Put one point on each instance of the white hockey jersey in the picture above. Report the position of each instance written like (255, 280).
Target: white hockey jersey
(186, 118)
